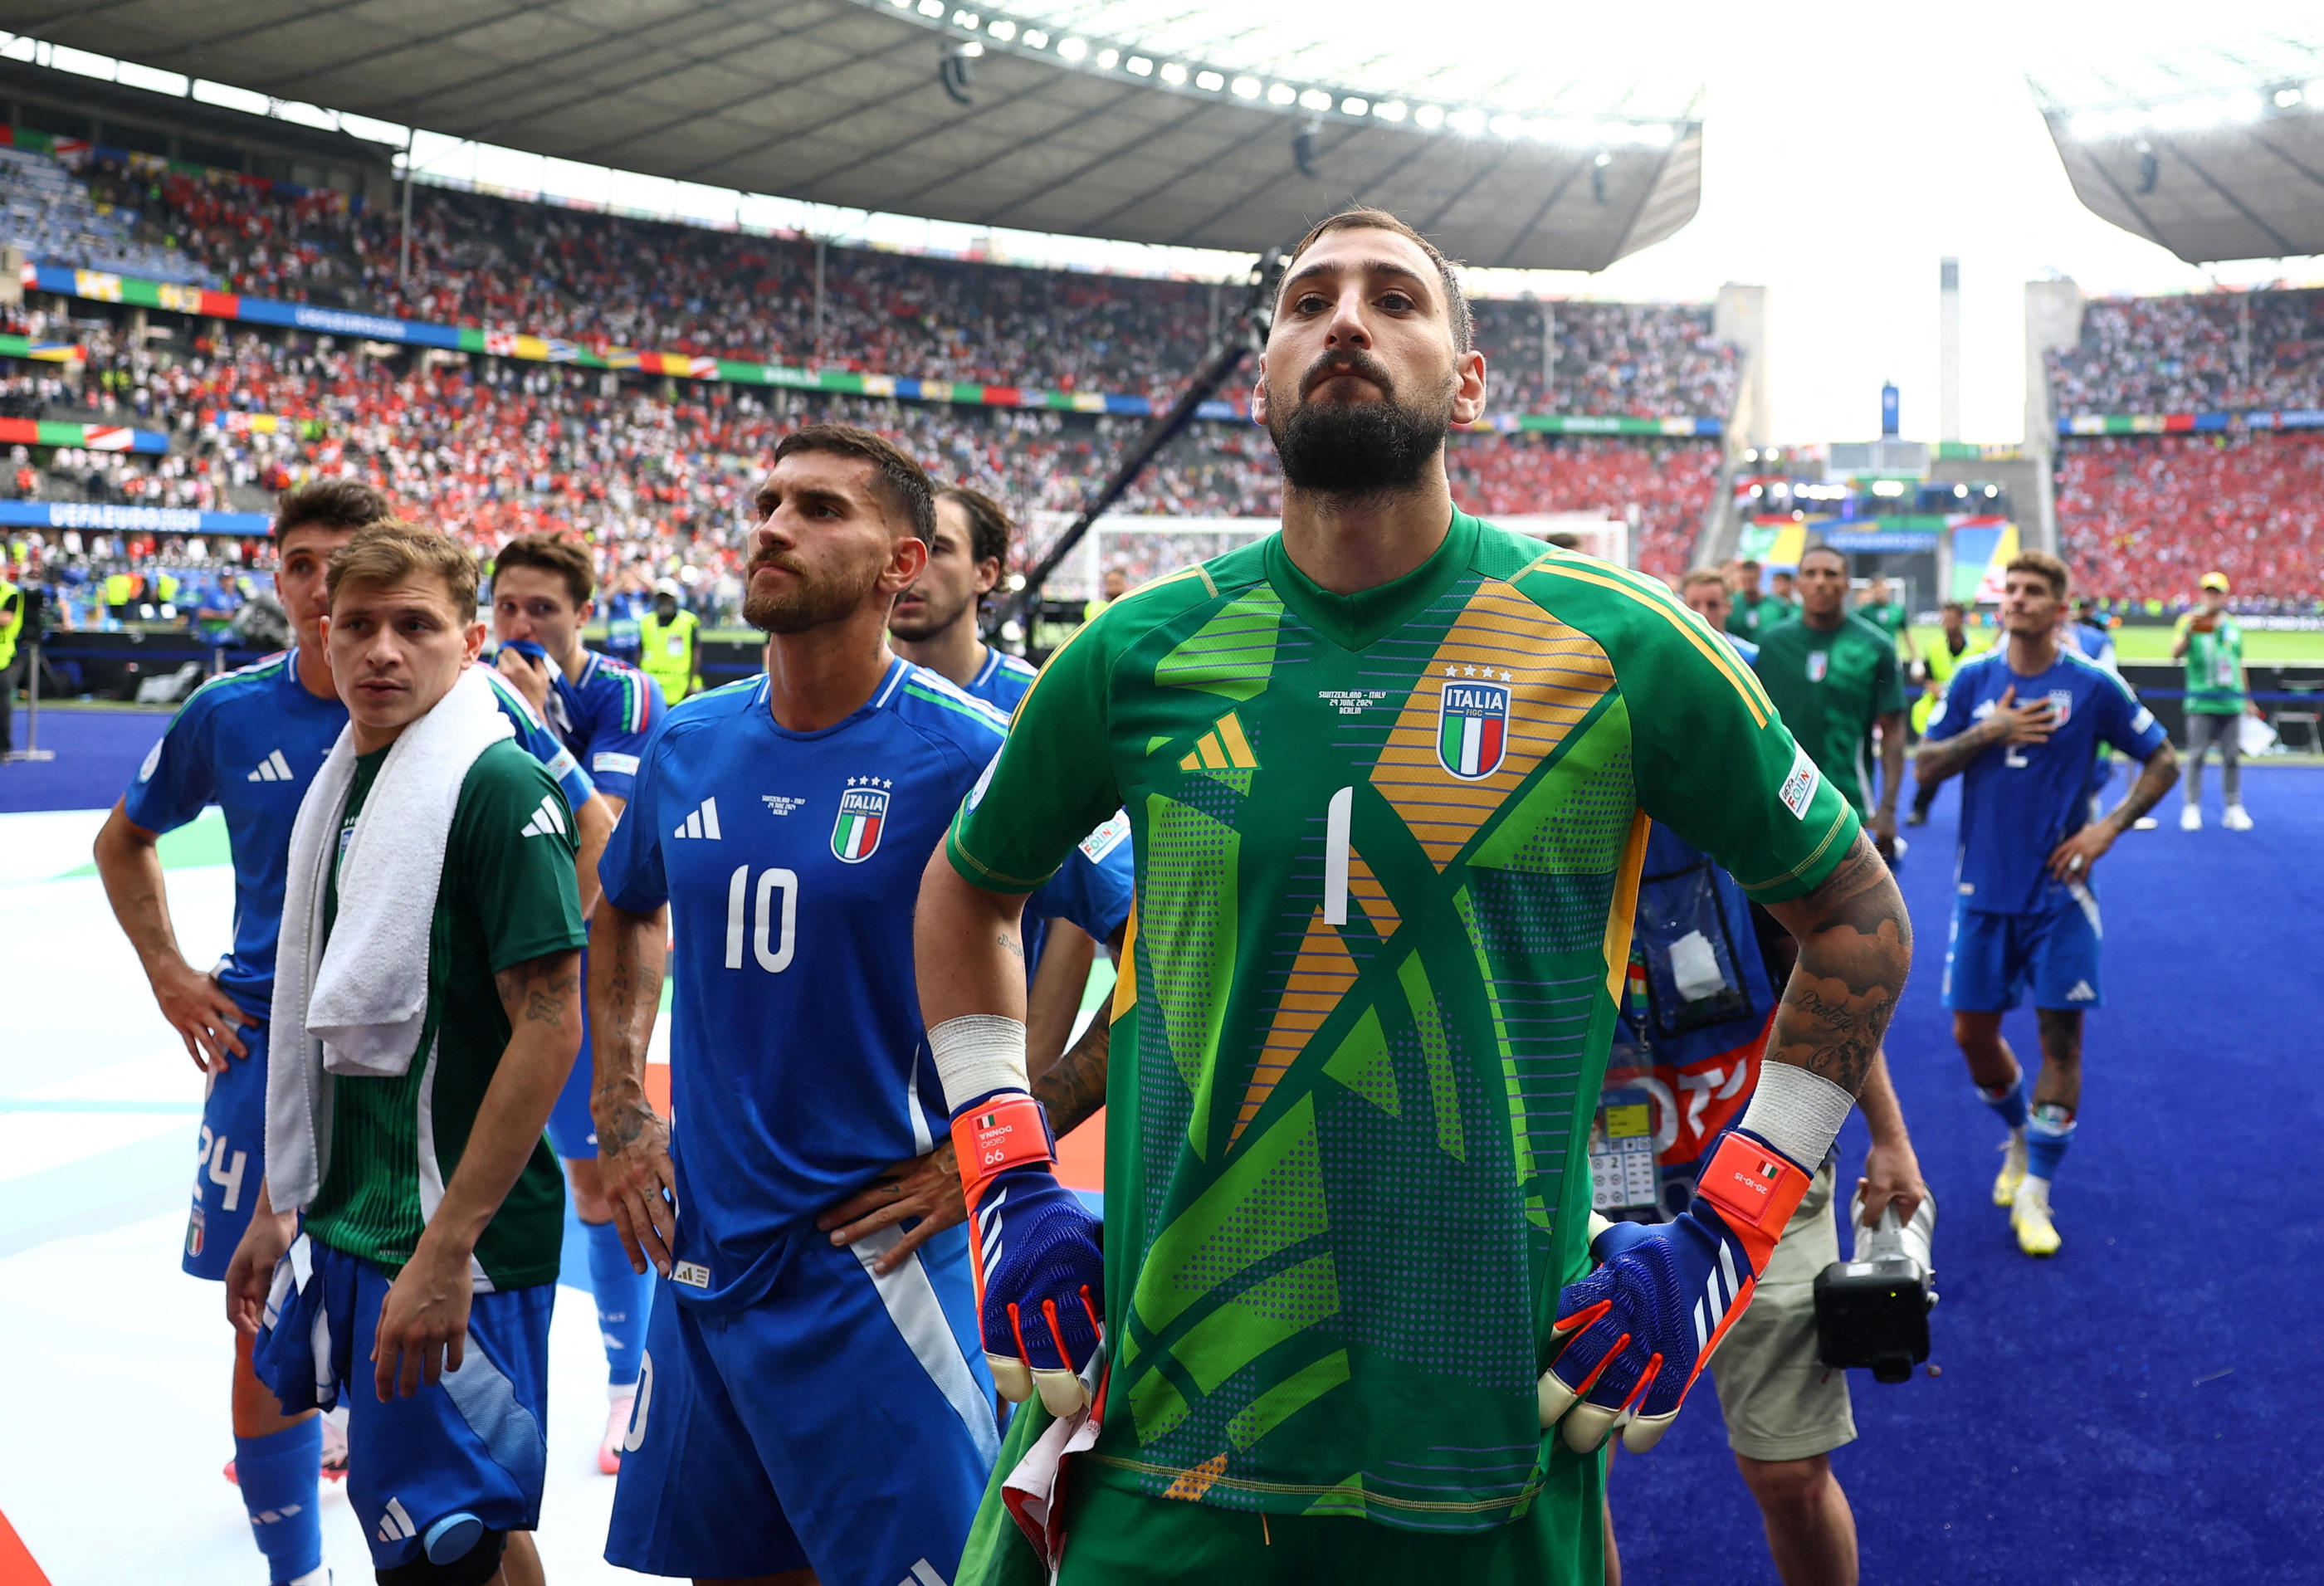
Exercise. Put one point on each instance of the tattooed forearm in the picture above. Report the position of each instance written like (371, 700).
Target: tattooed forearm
(1856, 946)
(1010, 945)
(1944, 757)
(626, 957)
(2159, 775)
(545, 999)
(1075, 1087)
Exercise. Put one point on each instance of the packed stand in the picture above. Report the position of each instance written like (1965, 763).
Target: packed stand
(2144, 518)
(1671, 485)
(1643, 360)
(610, 281)
(57, 220)
(2220, 352)
(492, 448)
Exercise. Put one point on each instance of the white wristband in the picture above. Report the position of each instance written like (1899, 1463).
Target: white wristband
(1797, 1113)
(977, 1054)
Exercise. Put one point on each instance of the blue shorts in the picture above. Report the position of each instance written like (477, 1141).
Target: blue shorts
(232, 1160)
(842, 1423)
(1993, 958)
(477, 1442)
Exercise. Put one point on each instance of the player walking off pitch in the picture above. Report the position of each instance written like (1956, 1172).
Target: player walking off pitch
(602, 711)
(1389, 776)
(2021, 725)
(812, 1408)
(403, 1255)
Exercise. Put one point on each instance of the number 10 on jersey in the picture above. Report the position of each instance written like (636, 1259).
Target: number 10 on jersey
(751, 912)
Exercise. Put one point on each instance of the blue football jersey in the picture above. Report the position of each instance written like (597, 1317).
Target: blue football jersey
(791, 864)
(2019, 800)
(536, 737)
(251, 742)
(1002, 681)
(1093, 888)
(605, 718)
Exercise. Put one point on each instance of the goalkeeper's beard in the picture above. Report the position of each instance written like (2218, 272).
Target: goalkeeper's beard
(807, 602)
(1379, 448)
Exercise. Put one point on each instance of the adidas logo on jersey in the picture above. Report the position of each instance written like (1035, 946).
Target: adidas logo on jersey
(924, 1573)
(273, 769)
(546, 820)
(396, 1526)
(2082, 993)
(702, 823)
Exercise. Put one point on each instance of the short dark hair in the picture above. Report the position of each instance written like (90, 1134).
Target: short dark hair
(552, 553)
(1818, 551)
(1456, 301)
(1565, 541)
(389, 551)
(903, 482)
(329, 503)
(2051, 568)
(989, 528)
(1956, 607)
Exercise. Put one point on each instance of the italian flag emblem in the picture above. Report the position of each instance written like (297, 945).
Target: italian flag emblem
(863, 814)
(1472, 728)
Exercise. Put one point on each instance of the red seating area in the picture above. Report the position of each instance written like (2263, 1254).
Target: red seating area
(2145, 517)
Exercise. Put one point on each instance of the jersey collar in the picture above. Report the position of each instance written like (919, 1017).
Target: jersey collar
(893, 680)
(1358, 621)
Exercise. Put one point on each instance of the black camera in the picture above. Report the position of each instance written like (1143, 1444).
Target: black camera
(1873, 1312)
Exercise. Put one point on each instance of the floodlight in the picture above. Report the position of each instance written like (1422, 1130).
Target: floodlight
(1138, 65)
(1281, 94)
(1003, 29)
(1247, 88)
(1172, 73)
(1210, 82)
(1353, 105)
(1430, 117)
(1072, 49)
(1107, 60)
(1393, 110)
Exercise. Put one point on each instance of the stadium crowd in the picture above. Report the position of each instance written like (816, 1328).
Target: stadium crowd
(2218, 352)
(658, 475)
(607, 279)
(2145, 517)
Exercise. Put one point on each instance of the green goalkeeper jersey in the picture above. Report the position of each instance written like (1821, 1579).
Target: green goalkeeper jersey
(1387, 850)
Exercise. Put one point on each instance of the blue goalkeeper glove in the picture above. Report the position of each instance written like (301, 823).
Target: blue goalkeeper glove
(1040, 1278)
(1640, 1329)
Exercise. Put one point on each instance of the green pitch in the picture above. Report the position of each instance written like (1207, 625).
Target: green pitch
(2147, 643)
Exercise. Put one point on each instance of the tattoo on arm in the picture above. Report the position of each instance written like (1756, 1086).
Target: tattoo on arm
(1856, 946)
(539, 991)
(1075, 1087)
(1944, 757)
(2158, 777)
(1010, 945)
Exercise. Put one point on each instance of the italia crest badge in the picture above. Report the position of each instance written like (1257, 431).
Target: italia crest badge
(1472, 728)
(2062, 707)
(862, 817)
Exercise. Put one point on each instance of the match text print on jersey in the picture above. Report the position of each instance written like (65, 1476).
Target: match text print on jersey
(771, 940)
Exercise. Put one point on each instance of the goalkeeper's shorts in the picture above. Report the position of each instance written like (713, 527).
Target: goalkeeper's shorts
(1117, 1538)
(1779, 1402)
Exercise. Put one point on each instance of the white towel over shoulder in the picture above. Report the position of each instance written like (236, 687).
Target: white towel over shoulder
(357, 1005)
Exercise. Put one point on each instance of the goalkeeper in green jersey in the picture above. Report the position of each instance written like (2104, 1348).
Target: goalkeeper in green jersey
(1389, 775)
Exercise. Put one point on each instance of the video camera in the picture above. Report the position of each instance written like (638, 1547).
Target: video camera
(1872, 1312)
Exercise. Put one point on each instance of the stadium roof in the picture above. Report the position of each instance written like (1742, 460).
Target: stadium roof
(2216, 154)
(1128, 119)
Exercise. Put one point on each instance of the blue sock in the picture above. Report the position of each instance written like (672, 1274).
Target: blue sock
(623, 1297)
(2010, 1103)
(278, 1476)
(2047, 1136)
